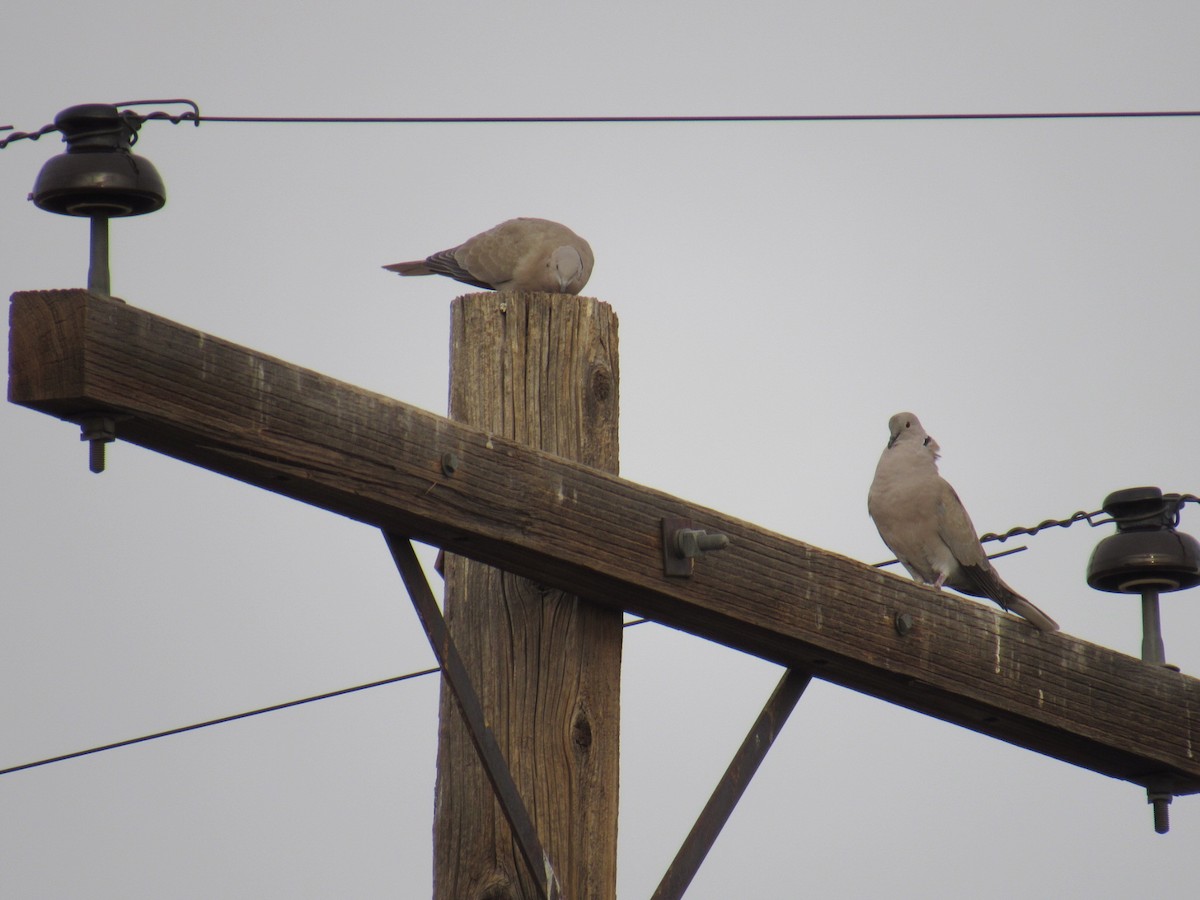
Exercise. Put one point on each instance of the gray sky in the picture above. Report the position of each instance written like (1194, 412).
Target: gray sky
(1027, 287)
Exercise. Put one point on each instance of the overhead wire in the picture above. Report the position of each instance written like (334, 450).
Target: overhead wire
(664, 119)
(1078, 516)
(223, 720)
(194, 116)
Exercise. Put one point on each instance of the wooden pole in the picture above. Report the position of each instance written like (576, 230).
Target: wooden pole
(540, 369)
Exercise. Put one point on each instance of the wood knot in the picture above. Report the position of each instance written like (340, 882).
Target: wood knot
(498, 891)
(497, 885)
(581, 731)
(602, 383)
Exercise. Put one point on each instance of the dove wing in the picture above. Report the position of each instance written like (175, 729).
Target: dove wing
(956, 529)
(446, 263)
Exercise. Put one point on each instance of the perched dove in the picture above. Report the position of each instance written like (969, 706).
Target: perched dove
(921, 519)
(517, 255)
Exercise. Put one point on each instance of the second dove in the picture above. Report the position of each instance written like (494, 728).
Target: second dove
(921, 519)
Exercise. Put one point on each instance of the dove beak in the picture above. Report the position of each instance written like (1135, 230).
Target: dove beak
(892, 440)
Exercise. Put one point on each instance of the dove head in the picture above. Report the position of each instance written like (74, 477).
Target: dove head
(906, 429)
(566, 268)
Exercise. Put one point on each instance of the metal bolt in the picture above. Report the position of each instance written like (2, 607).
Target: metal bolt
(449, 462)
(96, 456)
(1162, 810)
(692, 543)
(904, 624)
(98, 430)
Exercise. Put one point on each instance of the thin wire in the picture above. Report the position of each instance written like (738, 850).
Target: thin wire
(1079, 516)
(244, 715)
(162, 115)
(220, 721)
(1090, 518)
(196, 118)
(1009, 552)
(575, 120)
(31, 135)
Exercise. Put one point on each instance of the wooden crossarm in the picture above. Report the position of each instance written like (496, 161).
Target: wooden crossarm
(380, 461)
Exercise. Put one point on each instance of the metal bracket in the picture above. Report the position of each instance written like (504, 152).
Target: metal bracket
(733, 784)
(683, 545)
(490, 754)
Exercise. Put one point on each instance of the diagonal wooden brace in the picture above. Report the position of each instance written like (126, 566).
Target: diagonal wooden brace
(490, 755)
(733, 784)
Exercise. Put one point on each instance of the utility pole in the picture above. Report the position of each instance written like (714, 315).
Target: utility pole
(540, 369)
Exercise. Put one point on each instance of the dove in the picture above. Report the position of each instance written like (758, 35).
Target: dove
(517, 255)
(921, 519)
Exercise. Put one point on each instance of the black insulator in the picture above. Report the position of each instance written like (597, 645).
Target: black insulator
(1146, 553)
(98, 176)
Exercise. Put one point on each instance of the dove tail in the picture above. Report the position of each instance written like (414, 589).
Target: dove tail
(1015, 603)
(1035, 616)
(981, 581)
(416, 267)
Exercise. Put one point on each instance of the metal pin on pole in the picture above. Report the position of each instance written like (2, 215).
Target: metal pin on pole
(98, 276)
(1161, 801)
(1153, 650)
(98, 429)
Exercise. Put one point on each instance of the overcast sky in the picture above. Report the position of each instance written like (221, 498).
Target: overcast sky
(1029, 288)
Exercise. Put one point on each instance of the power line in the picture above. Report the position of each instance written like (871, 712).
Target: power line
(1079, 516)
(233, 718)
(642, 120)
(195, 117)
(892, 562)
(1082, 516)
(220, 721)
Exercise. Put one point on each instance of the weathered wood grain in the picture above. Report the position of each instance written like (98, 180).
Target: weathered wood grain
(540, 369)
(579, 529)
